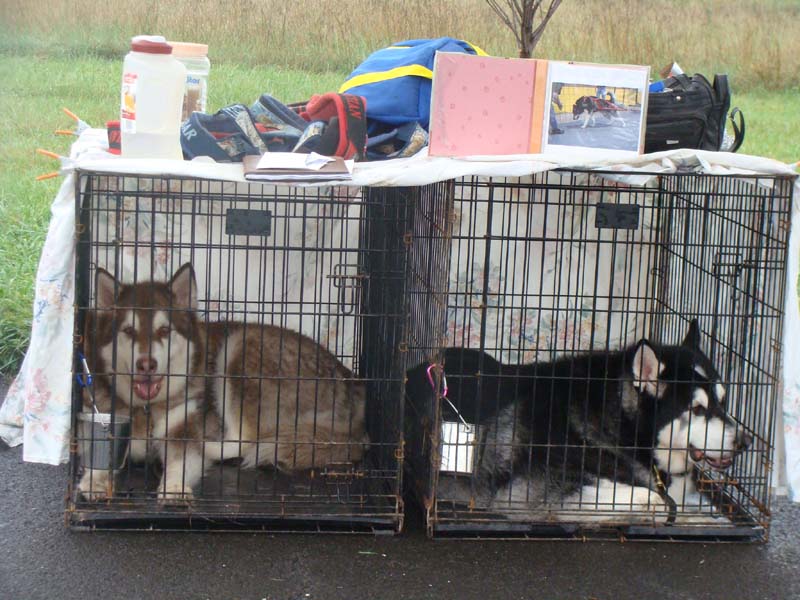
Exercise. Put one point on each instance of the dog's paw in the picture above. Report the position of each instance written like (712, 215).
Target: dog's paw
(174, 493)
(95, 484)
(174, 499)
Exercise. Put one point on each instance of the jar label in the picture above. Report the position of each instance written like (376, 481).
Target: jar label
(128, 103)
(194, 95)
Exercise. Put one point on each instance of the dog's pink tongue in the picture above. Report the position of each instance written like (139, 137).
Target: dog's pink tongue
(147, 390)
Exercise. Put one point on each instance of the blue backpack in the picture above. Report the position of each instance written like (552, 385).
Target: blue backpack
(396, 81)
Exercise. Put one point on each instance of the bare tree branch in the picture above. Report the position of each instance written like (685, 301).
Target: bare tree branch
(554, 4)
(520, 16)
(508, 21)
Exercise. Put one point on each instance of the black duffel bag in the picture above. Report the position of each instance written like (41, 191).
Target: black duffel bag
(691, 113)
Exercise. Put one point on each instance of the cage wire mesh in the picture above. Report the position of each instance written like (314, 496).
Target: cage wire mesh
(241, 351)
(611, 362)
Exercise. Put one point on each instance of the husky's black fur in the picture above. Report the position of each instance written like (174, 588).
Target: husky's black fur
(571, 422)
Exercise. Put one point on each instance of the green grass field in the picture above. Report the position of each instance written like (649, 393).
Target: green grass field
(78, 66)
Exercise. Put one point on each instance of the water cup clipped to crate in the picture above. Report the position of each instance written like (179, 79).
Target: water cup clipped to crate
(104, 437)
(457, 439)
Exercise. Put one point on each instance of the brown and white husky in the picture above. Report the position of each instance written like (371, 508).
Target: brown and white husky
(202, 392)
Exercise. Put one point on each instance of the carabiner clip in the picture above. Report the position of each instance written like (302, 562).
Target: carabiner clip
(84, 379)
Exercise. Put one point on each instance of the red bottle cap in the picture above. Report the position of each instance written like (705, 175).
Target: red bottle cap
(150, 45)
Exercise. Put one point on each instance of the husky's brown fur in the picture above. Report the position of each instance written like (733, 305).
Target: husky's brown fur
(198, 393)
(288, 393)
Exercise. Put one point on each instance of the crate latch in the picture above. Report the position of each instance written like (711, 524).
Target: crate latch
(727, 264)
(349, 281)
(339, 477)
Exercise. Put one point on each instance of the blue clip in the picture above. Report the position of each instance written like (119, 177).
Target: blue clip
(84, 379)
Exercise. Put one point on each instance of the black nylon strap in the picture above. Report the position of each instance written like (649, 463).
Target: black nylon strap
(661, 489)
(738, 130)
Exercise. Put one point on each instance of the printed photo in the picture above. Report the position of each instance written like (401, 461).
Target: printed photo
(597, 107)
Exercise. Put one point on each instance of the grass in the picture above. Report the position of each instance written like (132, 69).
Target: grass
(757, 42)
(772, 129)
(69, 53)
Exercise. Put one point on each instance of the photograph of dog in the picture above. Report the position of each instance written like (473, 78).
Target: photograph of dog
(588, 107)
(587, 436)
(199, 392)
(595, 116)
(597, 107)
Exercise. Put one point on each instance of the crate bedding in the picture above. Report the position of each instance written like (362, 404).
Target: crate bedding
(36, 410)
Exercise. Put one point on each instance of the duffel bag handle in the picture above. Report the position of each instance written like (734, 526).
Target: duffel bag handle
(738, 129)
(677, 82)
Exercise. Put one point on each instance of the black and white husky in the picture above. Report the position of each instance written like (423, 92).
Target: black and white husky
(591, 434)
(587, 107)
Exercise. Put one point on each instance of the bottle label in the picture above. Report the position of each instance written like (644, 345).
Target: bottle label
(128, 103)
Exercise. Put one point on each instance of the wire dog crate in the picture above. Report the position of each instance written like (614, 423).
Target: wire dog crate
(591, 324)
(241, 350)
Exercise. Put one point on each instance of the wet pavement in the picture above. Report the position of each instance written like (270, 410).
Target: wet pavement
(40, 558)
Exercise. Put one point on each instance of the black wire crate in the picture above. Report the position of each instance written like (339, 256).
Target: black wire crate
(241, 352)
(611, 358)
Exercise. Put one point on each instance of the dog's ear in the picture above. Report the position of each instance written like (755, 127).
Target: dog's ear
(645, 368)
(184, 288)
(105, 287)
(692, 339)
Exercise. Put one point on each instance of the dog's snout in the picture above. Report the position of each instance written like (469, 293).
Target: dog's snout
(146, 365)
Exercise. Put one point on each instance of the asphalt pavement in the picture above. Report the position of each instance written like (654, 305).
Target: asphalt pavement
(41, 559)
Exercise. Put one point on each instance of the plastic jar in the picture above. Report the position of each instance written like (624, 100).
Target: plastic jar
(151, 99)
(195, 58)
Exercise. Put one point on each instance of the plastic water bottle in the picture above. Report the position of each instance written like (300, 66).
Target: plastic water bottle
(151, 100)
